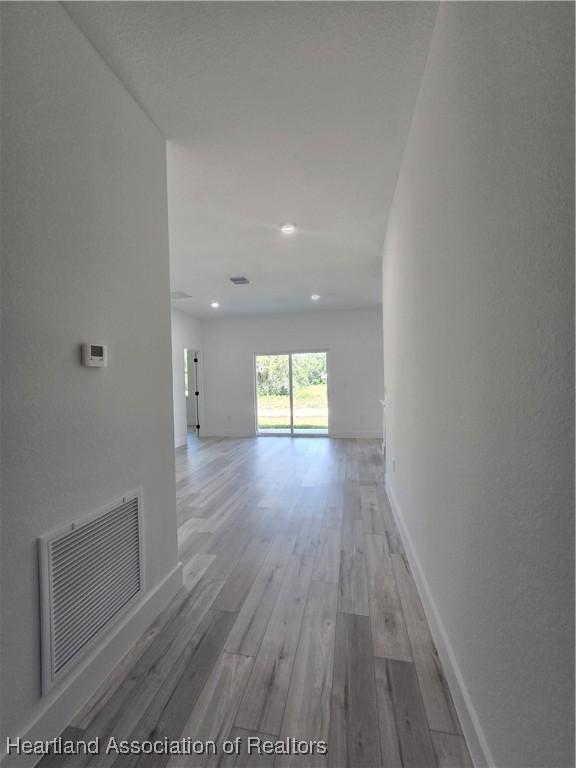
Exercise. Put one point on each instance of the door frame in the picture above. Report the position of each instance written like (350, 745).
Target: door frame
(195, 352)
(290, 352)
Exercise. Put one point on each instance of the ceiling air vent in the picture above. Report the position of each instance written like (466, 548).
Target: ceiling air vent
(179, 295)
(241, 280)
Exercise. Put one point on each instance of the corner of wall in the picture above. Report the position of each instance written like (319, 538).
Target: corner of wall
(67, 700)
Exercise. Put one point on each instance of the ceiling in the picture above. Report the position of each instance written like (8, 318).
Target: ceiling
(274, 112)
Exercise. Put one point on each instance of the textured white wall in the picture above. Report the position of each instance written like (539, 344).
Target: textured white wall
(85, 258)
(479, 365)
(186, 334)
(353, 339)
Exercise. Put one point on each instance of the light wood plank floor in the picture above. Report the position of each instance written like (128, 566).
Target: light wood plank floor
(299, 619)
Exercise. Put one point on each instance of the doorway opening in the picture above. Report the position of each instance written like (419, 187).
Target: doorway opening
(292, 394)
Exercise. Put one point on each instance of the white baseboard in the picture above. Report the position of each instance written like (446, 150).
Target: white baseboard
(473, 732)
(58, 709)
(377, 435)
(231, 434)
(226, 433)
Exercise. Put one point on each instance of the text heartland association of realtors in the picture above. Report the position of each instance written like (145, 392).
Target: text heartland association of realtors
(254, 745)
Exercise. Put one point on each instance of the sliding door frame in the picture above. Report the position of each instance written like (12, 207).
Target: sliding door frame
(291, 388)
(290, 352)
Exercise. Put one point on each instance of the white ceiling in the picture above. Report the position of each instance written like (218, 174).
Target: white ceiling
(275, 112)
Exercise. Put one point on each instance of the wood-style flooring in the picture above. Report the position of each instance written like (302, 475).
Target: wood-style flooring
(299, 619)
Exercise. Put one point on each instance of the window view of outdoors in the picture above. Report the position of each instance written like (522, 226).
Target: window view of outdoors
(310, 392)
(273, 390)
(308, 385)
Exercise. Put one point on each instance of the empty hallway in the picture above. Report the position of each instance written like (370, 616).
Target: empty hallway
(287, 398)
(299, 619)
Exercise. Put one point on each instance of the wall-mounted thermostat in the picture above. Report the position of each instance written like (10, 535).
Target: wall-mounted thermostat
(94, 355)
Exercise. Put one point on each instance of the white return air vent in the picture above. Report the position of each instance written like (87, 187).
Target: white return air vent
(90, 573)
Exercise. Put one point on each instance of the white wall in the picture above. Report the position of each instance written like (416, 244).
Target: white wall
(85, 258)
(353, 339)
(186, 334)
(478, 317)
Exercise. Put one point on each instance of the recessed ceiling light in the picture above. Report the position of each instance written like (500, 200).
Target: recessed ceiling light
(215, 305)
(315, 297)
(287, 229)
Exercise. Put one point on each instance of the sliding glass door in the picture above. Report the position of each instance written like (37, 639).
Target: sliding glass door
(273, 393)
(292, 393)
(309, 393)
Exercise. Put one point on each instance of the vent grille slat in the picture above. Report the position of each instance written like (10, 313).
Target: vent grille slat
(68, 602)
(67, 629)
(89, 567)
(76, 636)
(90, 573)
(99, 604)
(76, 537)
(107, 544)
(82, 643)
(79, 569)
(70, 559)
